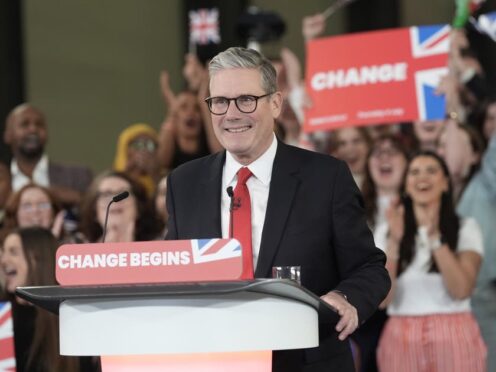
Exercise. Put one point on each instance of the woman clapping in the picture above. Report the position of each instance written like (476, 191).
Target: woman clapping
(433, 260)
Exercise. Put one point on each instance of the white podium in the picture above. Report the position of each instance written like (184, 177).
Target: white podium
(209, 326)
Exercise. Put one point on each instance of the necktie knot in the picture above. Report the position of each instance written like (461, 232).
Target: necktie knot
(243, 175)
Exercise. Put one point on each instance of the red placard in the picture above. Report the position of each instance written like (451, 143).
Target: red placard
(149, 262)
(376, 77)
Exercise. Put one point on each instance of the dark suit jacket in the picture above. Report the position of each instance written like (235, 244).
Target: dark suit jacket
(314, 219)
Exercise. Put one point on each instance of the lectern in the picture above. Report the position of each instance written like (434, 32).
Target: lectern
(190, 326)
(227, 326)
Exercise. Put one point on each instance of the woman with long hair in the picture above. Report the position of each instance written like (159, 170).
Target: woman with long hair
(386, 164)
(433, 258)
(131, 219)
(34, 205)
(27, 258)
(352, 145)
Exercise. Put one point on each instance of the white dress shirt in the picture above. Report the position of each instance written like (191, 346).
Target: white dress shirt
(40, 174)
(258, 186)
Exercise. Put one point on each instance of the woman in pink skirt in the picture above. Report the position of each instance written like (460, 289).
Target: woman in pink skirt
(433, 260)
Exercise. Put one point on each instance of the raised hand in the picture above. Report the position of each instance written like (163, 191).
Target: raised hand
(168, 95)
(313, 26)
(193, 71)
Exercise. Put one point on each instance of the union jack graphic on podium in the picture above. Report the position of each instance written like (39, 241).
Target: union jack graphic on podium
(208, 250)
(7, 353)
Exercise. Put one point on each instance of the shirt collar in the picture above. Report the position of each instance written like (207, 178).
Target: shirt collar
(40, 169)
(261, 167)
(42, 166)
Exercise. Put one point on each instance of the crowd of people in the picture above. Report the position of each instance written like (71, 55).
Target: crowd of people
(428, 189)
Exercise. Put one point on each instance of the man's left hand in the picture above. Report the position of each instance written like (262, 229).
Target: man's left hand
(349, 316)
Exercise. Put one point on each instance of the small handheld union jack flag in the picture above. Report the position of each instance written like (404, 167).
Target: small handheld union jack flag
(204, 26)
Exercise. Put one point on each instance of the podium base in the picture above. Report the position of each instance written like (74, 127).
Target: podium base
(260, 361)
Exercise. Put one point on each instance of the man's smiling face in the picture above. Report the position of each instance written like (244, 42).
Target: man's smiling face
(245, 136)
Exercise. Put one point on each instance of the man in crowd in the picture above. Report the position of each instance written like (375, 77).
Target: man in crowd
(26, 134)
(292, 207)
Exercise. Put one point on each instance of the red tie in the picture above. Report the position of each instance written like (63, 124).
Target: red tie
(241, 221)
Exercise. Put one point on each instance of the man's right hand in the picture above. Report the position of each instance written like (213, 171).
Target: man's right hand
(313, 26)
(348, 313)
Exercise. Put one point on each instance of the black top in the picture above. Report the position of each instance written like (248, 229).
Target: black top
(181, 157)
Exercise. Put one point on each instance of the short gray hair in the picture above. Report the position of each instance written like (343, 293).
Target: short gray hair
(237, 57)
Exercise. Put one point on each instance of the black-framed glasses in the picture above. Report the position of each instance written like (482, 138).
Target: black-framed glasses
(245, 103)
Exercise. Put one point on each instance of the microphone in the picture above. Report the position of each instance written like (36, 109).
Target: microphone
(235, 202)
(230, 192)
(115, 199)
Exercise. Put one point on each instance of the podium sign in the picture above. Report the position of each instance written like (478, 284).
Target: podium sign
(149, 262)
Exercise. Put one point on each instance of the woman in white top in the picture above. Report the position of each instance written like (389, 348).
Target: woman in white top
(386, 166)
(433, 260)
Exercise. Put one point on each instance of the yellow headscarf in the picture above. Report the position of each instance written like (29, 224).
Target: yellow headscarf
(125, 138)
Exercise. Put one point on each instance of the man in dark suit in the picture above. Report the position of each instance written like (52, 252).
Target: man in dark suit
(305, 208)
(26, 133)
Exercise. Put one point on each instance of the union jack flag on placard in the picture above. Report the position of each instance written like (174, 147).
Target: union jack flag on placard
(428, 41)
(207, 250)
(7, 353)
(204, 26)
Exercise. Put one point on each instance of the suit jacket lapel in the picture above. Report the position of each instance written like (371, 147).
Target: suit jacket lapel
(209, 208)
(283, 186)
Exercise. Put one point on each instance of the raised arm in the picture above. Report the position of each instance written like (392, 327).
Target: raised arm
(166, 142)
(213, 144)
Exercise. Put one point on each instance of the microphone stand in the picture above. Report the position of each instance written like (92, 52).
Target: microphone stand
(117, 198)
